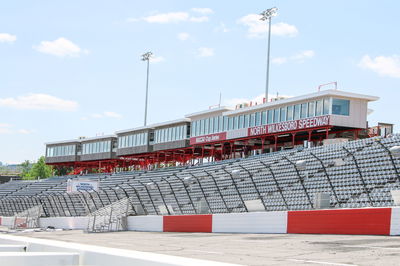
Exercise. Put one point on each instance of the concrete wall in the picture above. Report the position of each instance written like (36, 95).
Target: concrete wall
(98, 156)
(363, 221)
(134, 150)
(256, 222)
(79, 223)
(171, 145)
(62, 159)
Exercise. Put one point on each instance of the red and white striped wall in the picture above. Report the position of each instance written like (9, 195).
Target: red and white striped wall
(364, 221)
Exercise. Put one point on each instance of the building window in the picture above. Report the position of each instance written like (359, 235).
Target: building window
(241, 121)
(340, 107)
(230, 123)
(270, 117)
(326, 106)
(311, 109)
(252, 120)
(247, 121)
(226, 119)
(264, 118)
(216, 124)
(289, 113)
(276, 116)
(319, 107)
(206, 126)
(235, 122)
(194, 128)
(283, 114)
(304, 111)
(258, 118)
(296, 115)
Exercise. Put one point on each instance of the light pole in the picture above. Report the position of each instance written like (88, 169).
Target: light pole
(146, 57)
(267, 15)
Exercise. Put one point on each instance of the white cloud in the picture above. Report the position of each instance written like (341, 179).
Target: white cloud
(5, 37)
(284, 29)
(26, 131)
(199, 19)
(204, 10)
(385, 66)
(39, 102)
(279, 60)
(9, 129)
(60, 47)
(183, 36)
(205, 52)
(298, 58)
(171, 17)
(222, 28)
(112, 114)
(303, 55)
(258, 28)
(5, 128)
(256, 100)
(157, 59)
(106, 114)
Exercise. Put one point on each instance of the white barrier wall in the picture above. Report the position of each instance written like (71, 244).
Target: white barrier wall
(7, 221)
(150, 223)
(253, 222)
(395, 222)
(79, 223)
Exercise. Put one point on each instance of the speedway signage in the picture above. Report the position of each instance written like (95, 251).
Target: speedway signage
(306, 123)
(208, 138)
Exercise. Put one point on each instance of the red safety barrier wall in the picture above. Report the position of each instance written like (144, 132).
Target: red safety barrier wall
(188, 223)
(374, 221)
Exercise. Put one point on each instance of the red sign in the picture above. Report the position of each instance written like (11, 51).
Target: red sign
(318, 121)
(208, 138)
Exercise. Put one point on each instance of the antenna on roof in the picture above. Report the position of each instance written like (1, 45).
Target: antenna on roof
(220, 95)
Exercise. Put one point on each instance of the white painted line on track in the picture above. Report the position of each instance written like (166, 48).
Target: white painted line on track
(321, 262)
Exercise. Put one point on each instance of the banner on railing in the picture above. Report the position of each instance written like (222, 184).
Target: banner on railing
(74, 186)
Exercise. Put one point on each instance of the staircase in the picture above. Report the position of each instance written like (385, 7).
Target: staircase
(110, 218)
(28, 218)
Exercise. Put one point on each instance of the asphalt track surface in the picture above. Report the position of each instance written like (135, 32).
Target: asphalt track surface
(248, 249)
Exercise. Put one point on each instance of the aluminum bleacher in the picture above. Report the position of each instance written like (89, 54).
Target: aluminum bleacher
(354, 174)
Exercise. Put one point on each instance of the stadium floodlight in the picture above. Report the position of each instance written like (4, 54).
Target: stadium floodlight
(267, 16)
(146, 57)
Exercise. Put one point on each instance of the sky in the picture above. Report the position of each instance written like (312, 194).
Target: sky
(73, 68)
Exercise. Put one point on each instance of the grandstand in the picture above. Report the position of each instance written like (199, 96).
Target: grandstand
(307, 164)
(338, 164)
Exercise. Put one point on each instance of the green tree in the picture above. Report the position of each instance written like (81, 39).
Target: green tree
(25, 167)
(40, 170)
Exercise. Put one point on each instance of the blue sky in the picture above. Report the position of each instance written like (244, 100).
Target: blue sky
(72, 68)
